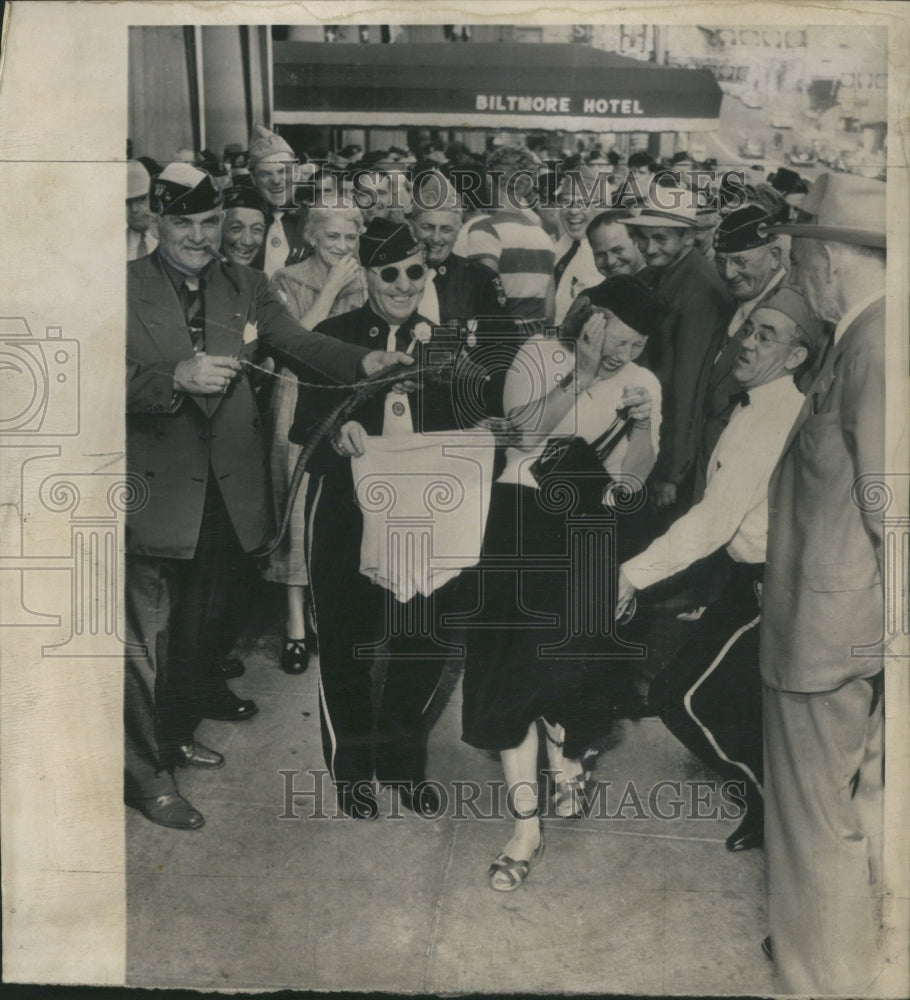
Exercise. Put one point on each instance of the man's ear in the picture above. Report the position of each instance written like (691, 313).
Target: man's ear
(776, 253)
(153, 225)
(796, 357)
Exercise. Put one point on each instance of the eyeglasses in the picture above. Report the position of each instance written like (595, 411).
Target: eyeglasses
(391, 274)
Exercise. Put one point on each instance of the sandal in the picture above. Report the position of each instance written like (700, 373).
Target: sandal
(570, 797)
(294, 656)
(506, 874)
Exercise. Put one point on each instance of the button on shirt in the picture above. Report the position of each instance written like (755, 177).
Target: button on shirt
(276, 245)
(734, 509)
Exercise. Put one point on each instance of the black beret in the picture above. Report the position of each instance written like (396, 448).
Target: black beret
(630, 299)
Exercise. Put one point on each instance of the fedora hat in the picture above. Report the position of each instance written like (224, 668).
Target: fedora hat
(843, 208)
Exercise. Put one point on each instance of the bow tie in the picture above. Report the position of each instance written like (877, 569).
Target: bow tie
(740, 397)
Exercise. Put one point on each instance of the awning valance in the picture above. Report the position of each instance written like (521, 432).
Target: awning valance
(500, 86)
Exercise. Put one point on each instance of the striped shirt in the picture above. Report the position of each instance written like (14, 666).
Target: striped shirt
(515, 243)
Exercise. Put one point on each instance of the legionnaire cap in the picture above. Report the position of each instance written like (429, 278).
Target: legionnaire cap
(386, 242)
(632, 301)
(842, 208)
(138, 182)
(673, 207)
(264, 144)
(182, 189)
(243, 196)
(791, 302)
(743, 229)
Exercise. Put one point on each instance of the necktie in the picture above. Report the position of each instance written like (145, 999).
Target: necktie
(397, 418)
(565, 260)
(276, 246)
(142, 250)
(741, 398)
(194, 313)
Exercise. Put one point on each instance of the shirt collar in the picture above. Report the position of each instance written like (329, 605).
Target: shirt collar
(851, 314)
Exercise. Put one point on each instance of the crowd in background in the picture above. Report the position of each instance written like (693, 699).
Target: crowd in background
(671, 283)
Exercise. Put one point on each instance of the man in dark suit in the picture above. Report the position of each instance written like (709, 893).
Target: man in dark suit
(351, 612)
(822, 616)
(665, 231)
(748, 257)
(196, 452)
(271, 163)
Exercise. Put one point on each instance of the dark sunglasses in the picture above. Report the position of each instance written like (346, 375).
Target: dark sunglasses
(390, 274)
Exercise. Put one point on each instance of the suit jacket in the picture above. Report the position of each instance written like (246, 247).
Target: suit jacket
(174, 439)
(701, 308)
(823, 577)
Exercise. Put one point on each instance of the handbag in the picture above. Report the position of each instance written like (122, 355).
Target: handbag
(569, 463)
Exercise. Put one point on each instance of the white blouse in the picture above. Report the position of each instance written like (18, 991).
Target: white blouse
(543, 362)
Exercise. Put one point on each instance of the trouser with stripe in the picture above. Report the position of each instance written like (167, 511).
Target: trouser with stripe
(709, 696)
(359, 623)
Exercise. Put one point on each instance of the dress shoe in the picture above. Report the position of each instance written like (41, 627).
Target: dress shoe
(169, 810)
(227, 707)
(294, 654)
(420, 798)
(194, 754)
(750, 833)
(359, 801)
(230, 668)
(766, 948)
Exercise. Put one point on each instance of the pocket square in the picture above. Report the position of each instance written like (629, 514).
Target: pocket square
(250, 333)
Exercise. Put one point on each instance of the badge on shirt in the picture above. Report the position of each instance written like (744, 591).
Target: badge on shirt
(398, 409)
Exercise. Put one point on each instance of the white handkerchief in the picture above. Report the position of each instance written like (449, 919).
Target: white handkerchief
(250, 333)
(424, 499)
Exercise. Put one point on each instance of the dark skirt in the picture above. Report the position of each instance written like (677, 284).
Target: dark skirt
(531, 650)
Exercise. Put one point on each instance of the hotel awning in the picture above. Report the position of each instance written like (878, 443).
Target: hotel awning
(497, 86)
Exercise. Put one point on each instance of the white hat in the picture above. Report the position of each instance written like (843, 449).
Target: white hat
(138, 181)
(672, 207)
(264, 144)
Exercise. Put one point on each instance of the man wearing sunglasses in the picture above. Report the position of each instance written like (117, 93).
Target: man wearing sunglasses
(351, 612)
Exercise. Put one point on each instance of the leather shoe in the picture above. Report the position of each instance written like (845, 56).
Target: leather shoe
(359, 801)
(750, 833)
(169, 810)
(294, 656)
(420, 798)
(766, 948)
(232, 667)
(227, 707)
(194, 754)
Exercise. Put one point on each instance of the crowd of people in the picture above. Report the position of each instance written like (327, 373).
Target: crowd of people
(710, 348)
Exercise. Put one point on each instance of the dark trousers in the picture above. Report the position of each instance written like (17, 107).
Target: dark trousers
(358, 622)
(709, 696)
(186, 613)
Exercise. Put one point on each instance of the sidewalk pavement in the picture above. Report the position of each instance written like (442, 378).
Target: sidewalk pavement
(622, 902)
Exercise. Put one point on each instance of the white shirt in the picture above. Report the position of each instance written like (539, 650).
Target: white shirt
(276, 246)
(429, 304)
(539, 365)
(424, 499)
(133, 239)
(745, 309)
(734, 509)
(852, 313)
(580, 273)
